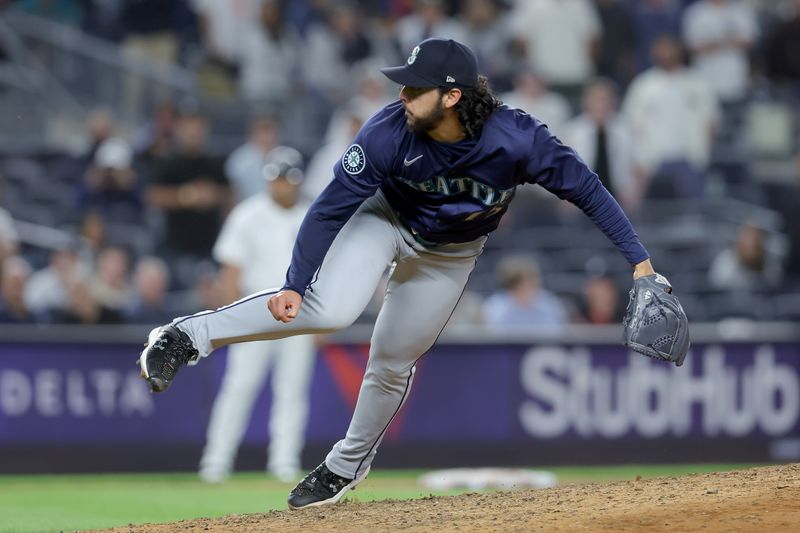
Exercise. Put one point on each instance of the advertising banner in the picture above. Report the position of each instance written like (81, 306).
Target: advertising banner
(512, 404)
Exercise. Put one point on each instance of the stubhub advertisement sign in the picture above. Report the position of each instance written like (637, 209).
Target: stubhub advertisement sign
(470, 404)
(726, 392)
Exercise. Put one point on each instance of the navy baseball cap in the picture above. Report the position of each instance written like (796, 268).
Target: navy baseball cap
(437, 63)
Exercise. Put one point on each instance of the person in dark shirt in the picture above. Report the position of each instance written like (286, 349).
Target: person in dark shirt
(111, 186)
(600, 304)
(616, 57)
(782, 49)
(422, 185)
(652, 20)
(14, 275)
(191, 188)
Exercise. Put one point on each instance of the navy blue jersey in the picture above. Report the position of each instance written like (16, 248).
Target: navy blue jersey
(449, 193)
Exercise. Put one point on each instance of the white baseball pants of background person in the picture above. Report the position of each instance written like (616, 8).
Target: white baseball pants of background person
(423, 290)
(291, 363)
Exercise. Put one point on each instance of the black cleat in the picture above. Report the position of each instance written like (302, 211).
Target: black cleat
(322, 487)
(167, 349)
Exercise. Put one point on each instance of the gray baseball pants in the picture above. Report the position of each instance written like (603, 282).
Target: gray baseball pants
(423, 290)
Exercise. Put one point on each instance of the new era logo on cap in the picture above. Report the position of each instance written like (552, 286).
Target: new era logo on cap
(437, 63)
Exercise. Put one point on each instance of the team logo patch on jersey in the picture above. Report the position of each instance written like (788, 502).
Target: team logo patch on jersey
(354, 159)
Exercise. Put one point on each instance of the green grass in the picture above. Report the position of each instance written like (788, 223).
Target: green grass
(45, 503)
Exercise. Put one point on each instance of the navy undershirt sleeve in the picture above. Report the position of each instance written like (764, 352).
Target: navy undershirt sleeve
(356, 177)
(557, 168)
(326, 216)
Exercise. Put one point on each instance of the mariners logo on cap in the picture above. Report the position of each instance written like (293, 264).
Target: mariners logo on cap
(354, 159)
(413, 56)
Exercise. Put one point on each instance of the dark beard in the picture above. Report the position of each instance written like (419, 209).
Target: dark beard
(426, 123)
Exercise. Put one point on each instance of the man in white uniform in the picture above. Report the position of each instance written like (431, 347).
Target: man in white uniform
(672, 113)
(254, 248)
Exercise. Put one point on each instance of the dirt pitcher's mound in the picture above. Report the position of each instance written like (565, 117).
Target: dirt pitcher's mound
(758, 499)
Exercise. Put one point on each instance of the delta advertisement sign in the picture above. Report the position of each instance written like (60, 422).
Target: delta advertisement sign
(493, 395)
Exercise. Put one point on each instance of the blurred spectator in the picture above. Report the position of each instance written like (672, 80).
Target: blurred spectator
(149, 36)
(224, 27)
(110, 186)
(101, 19)
(615, 58)
(747, 265)
(64, 11)
(486, 32)
(14, 275)
(93, 237)
(191, 188)
(522, 305)
(149, 28)
(603, 139)
(531, 95)
(303, 13)
(652, 20)
(149, 303)
(8, 236)
(341, 131)
(252, 261)
(782, 48)
(560, 39)
(333, 46)
(371, 88)
(720, 34)
(787, 201)
(99, 128)
(245, 164)
(672, 114)
(155, 140)
(270, 58)
(58, 292)
(600, 304)
(429, 19)
(207, 292)
(110, 285)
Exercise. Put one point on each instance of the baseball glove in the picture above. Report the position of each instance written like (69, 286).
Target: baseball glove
(655, 324)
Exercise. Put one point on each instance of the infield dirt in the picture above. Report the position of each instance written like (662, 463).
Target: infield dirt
(758, 499)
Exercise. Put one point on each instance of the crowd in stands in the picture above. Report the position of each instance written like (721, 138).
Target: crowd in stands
(657, 96)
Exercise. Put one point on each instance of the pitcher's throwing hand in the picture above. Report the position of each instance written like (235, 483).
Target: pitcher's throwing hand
(285, 305)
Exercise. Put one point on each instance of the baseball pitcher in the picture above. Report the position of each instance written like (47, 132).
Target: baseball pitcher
(422, 185)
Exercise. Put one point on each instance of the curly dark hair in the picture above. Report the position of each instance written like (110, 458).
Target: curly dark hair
(475, 106)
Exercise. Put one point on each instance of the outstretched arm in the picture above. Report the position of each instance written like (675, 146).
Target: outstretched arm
(557, 168)
(655, 323)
